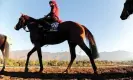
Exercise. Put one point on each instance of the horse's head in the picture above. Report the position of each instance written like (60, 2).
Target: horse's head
(22, 22)
(127, 10)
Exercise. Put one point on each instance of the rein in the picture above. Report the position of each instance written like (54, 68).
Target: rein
(25, 29)
(24, 20)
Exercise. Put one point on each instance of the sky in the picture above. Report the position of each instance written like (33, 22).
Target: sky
(101, 17)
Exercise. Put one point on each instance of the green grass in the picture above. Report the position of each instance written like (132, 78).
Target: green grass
(21, 63)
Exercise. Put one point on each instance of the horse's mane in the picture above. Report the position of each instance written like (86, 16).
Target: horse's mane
(29, 17)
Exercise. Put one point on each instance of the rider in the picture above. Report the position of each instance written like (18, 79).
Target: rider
(53, 16)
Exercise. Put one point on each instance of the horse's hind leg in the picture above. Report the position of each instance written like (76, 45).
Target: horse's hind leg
(73, 55)
(5, 53)
(4, 62)
(88, 52)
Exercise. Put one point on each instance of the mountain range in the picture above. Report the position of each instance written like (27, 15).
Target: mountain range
(65, 56)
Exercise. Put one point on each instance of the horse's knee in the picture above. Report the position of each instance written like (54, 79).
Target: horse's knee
(29, 54)
(73, 56)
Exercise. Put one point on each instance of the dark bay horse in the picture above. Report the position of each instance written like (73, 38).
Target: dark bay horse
(73, 32)
(127, 10)
(4, 47)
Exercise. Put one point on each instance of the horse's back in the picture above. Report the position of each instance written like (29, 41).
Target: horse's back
(70, 26)
(73, 30)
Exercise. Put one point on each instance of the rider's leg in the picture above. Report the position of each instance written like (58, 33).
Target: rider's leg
(45, 24)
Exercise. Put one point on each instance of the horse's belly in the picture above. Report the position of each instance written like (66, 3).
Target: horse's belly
(54, 39)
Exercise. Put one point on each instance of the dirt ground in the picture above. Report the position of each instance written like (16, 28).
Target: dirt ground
(76, 73)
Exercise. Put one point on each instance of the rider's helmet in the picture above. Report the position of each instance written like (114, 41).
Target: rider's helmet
(52, 2)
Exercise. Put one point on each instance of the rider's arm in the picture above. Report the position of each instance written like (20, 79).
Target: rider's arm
(51, 12)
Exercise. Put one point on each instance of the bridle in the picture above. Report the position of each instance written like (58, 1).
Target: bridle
(24, 21)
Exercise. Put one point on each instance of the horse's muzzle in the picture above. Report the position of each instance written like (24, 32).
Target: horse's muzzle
(16, 28)
(123, 18)
(124, 15)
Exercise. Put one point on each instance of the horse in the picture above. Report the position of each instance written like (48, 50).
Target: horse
(71, 31)
(4, 47)
(127, 10)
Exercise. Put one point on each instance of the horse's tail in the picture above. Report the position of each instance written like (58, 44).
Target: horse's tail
(9, 40)
(92, 43)
(6, 48)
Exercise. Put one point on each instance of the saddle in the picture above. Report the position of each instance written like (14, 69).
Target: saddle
(52, 24)
(53, 27)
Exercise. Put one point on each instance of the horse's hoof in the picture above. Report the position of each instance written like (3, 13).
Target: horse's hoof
(95, 72)
(26, 69)
(2, 71)
(41, 70)
(66, 71)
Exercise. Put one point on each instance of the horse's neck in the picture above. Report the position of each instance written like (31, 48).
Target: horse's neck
(33, 28)
(31, 19)
(31, 23)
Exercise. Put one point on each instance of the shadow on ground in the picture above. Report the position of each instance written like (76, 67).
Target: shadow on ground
(36, 75)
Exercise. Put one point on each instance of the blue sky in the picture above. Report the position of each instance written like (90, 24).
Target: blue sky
(101, 17)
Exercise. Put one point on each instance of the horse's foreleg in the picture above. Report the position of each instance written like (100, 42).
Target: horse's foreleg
(89, 54)
(39, 52)
(73, 55)
(28, 56)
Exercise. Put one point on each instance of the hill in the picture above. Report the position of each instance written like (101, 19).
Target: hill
(113, 56)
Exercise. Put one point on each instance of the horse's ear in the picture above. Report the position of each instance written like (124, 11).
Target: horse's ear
(22, 14)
